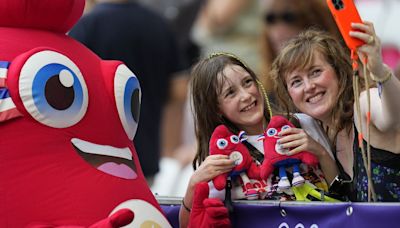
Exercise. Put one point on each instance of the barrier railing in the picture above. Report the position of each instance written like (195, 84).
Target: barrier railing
(262, 213)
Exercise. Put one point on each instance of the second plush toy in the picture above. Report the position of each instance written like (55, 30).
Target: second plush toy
(277, 157)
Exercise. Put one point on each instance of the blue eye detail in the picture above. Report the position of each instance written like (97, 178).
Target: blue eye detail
(53, 90)
(285, 127)
(235, 139)
(222, 143)
(271, 132)
(127, 97)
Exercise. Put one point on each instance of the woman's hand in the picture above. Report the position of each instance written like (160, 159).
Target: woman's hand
(371, 49)
(297, 140)
(211, 167)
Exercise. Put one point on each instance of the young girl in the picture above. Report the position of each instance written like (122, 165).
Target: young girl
(314, 74)
(225, 91)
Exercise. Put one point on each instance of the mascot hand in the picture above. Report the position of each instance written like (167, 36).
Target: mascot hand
(207, 212)
(119, 219)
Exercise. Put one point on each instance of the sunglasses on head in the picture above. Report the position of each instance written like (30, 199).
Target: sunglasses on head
(286, 17)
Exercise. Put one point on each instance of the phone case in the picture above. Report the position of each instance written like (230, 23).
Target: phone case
(344, 13)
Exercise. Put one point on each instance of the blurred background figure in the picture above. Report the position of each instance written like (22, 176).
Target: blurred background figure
(284, 19)
(142, 39)
(384, 14)
(230, 26)
(181, 15)
(88, 6)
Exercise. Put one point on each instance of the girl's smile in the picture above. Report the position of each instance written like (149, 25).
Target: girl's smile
(240, 100)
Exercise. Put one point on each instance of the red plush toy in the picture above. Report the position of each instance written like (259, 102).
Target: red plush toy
(225, 142)
(67, 121)
(276, 157)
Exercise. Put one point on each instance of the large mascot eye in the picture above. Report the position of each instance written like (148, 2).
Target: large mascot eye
(127, 97)
(235, 139)
(271, 132)
(284, 127)
(53, 90)
(222, 143)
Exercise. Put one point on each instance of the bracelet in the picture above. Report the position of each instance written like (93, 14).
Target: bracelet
(184, 205)
(382, 80)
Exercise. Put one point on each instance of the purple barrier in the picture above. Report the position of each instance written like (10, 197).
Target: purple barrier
(304, 215)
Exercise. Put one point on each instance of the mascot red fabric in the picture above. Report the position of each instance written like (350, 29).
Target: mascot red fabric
(225, 142)
(67, 121)
(276, 157)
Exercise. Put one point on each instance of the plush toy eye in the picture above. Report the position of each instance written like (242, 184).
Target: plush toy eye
(235, 139)
(53, 90)
(271, 132)
(284, 127)
(127, 97)
(222, 143)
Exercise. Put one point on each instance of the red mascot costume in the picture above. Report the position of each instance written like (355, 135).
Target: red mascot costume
(67, 121)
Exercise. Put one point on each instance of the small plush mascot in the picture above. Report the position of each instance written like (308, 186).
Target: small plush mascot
(225, 142)
(277, 157)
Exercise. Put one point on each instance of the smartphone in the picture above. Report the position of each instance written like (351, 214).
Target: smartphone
(345, 12)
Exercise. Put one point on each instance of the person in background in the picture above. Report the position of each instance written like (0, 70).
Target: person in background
(126, 31)
(225, 91)
(229, 26)
(89, 4)
(283, 20)
(313, 75)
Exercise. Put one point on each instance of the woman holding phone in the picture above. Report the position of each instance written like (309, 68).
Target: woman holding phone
(313, 75)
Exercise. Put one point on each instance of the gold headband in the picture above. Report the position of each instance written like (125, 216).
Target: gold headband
(215, 54)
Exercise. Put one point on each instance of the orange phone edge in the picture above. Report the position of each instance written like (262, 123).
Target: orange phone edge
(345, 12)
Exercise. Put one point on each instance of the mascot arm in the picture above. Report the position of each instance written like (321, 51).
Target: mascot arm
(266, 169)
(220, 181)
(309, 159)
(254, 171)
(207, 212)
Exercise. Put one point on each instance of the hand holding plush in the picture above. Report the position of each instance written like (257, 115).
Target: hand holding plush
(276, 157)
(225, 142)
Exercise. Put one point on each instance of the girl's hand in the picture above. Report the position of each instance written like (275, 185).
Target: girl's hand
(211, 167)
(297, 140)
(371, 49)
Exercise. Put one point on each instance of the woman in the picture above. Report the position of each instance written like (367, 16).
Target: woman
(313, 75)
